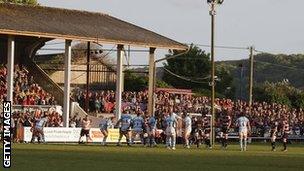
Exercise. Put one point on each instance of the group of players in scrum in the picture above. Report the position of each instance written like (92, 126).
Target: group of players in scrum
(196, 128)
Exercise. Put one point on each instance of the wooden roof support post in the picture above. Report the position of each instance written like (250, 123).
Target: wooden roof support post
(119, 80)
(151, 82)
(88, 77)
(67, 82)
(10, 67)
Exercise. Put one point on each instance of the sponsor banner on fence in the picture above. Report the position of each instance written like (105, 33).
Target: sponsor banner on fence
(72, 134)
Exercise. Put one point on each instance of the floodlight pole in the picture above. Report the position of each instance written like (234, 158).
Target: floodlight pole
(212, 13)
(88, 78)
(251, 76)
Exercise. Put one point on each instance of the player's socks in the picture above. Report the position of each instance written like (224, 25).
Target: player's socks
(147, 141)
(187, 142)
(168, 141)
(226, 143)
(285, 145)
(245, 144)
(129, 142)
(208, 142)
(223, 142)
(104, 140)
(118, 143)
(273, 146)
(173, 141)
(153, 141)
(241, 144)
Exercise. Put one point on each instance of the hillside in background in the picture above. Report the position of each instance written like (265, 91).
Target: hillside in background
(268, 67)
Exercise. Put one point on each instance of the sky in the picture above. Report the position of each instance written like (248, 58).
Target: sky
(274, 26)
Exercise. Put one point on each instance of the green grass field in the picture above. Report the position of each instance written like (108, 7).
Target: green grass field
(94, 157)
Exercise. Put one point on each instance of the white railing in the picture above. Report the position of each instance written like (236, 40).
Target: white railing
(76, 109)
(31, 108)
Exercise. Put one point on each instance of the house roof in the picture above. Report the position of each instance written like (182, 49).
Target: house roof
(57, 23)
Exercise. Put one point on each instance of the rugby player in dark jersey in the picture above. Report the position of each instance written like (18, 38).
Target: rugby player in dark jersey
(199, 131)
(225, 122)
(285, 132)
(207, 130)
(273, 133)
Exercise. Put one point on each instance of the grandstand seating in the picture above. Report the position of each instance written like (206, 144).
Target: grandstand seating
(26, 90)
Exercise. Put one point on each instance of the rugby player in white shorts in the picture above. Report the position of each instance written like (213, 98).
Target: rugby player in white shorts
(170, 131)
(244, 127)
(187, 123)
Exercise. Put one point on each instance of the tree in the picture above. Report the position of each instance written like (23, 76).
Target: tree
(192, 71)
(280, 92)
(224, 84)
(133, 82)
(195, 65)
(26, 2)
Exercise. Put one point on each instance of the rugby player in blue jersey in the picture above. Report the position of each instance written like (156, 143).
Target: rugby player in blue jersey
(105, 125)
(170, 128)
(124, 124)
(37, 129)
(151, 130)
(137, 127)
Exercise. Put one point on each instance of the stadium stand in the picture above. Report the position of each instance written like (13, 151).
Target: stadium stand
(26, 91)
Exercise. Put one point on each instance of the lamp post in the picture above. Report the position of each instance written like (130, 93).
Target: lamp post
(212, 13)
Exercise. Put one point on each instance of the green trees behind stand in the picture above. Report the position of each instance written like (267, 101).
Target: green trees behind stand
(26, 2)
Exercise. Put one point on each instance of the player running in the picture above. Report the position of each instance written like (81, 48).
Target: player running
(151, 130)
(124, 128)
(244, 127)
(273, 133)
(285, 132)
(85, 129)
(104, 126)
(137, 125)
(187, 129)
(170, 125)
(225, 122)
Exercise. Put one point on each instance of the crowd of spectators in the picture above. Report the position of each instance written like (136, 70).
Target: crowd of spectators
(260, 114)
(27, 94)
(104, 101)
(26, 91)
